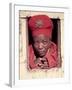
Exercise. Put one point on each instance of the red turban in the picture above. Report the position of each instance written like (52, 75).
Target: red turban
(41, 24)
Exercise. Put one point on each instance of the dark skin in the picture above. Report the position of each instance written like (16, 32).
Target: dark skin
(41, 45)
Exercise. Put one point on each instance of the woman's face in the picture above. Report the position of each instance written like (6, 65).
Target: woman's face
(41, 44)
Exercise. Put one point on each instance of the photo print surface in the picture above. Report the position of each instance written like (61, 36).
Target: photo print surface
(41, 53)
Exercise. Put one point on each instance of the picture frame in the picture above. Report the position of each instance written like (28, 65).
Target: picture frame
(14, 27)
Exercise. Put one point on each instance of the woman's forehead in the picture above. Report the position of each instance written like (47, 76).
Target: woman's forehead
(41, 37)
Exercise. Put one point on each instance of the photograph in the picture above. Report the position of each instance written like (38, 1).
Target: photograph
(41, 50)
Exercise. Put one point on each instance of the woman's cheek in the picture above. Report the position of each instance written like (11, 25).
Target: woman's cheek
(36, 46)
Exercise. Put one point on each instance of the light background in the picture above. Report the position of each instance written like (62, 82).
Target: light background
(4, 42)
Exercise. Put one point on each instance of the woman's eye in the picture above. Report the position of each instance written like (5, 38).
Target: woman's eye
(36, 42)
(44, 42)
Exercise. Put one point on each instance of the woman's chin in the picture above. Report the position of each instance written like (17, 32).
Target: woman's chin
(41, 54)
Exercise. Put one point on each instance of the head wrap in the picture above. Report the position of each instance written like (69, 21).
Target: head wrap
(41, 24)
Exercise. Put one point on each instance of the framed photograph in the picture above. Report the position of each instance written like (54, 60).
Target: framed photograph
(39, 53)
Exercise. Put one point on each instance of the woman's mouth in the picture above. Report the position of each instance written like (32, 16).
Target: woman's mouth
(41, 52)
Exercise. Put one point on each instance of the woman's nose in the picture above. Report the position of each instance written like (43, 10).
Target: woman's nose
(40, 46)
